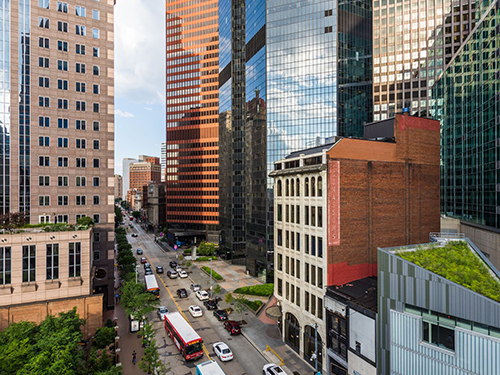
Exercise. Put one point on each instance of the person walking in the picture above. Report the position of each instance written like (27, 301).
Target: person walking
(134, 357)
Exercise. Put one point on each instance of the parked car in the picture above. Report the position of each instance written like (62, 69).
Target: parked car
(133, 234)
(148, 271)
(272, 369)
(195, 311)
(222, 351)
(144, 260)
(173, 264)
(162, 312)
(221, 315)
(139, 252)
(232, 327)
(210, 304)
(202, 295)
(195, 287)
(182, 293)
(183, 274)
(159, 269)
(172, 274)
(178, 269)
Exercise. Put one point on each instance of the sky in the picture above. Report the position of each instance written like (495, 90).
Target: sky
(139, 79)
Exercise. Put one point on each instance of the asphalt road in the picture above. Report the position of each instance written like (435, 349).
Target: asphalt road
(247, 360)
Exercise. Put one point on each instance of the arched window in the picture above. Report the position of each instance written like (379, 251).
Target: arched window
(313, 187)
(320, 186)
(297, 187)
(287, 188)
(279, 189)
(306, 187)
(309, 344)
(292, 331)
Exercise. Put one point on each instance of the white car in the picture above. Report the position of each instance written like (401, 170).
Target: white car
(195, 287)
(178, 269)
(162, 312)
(202, 295)
(272, 369)
(183, 274)
(195, 311)
(222, 351)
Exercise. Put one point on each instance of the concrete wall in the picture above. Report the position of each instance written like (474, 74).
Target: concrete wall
(358, 366)
(486, 240)
(362, 330)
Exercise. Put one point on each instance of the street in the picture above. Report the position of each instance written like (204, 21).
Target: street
(247, 360)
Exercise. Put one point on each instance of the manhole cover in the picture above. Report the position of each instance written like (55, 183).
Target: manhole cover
(273, 332)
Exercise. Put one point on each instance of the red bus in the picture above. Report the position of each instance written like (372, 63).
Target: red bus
(185, 337)
(152, 285)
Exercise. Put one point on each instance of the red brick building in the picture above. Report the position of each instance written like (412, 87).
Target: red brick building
(381, 193)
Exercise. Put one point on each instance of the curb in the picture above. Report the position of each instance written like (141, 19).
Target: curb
(254, 345)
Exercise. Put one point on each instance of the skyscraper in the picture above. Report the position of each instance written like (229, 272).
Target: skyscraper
(163, 160)
(126, 175)
(192, 174)
(57, 119)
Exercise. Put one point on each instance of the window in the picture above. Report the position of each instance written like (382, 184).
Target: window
(80, 30)
(62, 46)
(298, 242)
(287, 213)
(95, 70)
(97, 163)
(307, 215)
(96, 108)
(62, 142)
(43, 82)
(96, 254)
(320, 277)
(97, 218)
(75, 259)
(43, 42)
(320, 186)
(52, 261)
(81, 200)
(5, 265)
(81, 143)
(62, 26)
(320, 247)
(62, 123)
(80, 49)
(313, 187)
(95, 33)
(62, 161)
(95, 14)
(62, 181)
(306, 187)
(306, 269)
(313, 274)
(297, 269)
(44, 161)
(62, 103)
(439, 335)
(279, 191)
(297, 298)
(280, 262)
(320, 217)
(80, 216)
(81, 105)
(62, 84)
(43, 141)
(313, 216)
(44, 200)
(80, 11)
(62, 65)
(95, 51)
(96, 181)
(97, 200)
(62, 200)
(328, 12)
(62, 7)
(95, 89)
(319, 313)
(306, 298)
(81, 181)
(297, 216)
(97, 236)
(328, 29)
(62, 218)
(81, 162)
(307, 244)
(43, 101)
(43, 22)
(280, 212)
(313, 245)
(280, 287)
(43, 4)
(97, 126)
(280, 237)
(29, 263)
(81, 124)
(80, 68)
(43, 62)
(44, 121)
(80, 87)
(313, 304)
(43, 180)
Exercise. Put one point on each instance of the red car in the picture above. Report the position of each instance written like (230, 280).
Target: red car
(232, 327)
(144, 260)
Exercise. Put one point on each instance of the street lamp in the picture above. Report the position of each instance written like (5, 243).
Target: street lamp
(315, 354)
(136, 273)
(211, 270)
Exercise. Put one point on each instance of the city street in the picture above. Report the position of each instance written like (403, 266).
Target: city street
(247, 360)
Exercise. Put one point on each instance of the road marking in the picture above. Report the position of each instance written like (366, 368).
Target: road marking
(176, 304)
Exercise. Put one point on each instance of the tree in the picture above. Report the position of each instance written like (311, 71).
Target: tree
(136, 301)
(118, 216)
(85, 221)
(228, 298)
(239, 306)
(12, 220)
(150, 361)
(136, 215)
(217, 290)
(189, 264)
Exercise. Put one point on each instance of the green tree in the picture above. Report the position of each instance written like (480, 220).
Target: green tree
(118, 216)
(151, 362)
(239, 306)
(136, 214)
(189, 264)
(228, 298)
(85, 221)
(104, 336)
(136, 301)
(16, 344)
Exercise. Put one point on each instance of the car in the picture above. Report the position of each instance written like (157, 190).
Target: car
(195, 311)
(195, 287)
(183, 274)
(144, 260)
(210, 304)
(182, 293)
(131, 218)
(172, 274)
(131, 226)
(162, 312)
(133, 234)
(139, 252)
(147, 265)
(232, 327)
(221, 315)
(272, 369)
(173, 264)
(222, 351)
(148, 271)
(178, 268)
(202, 295)
(159, 269)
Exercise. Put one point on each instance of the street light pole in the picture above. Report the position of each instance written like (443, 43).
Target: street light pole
(136, 273)
(316, 348)
(211, 270)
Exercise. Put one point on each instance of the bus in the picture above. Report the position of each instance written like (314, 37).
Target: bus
(184, 336)
(209, 368)
(152, 285)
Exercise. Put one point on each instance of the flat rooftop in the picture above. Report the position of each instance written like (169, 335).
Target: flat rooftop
(362, 292)
(458, 262)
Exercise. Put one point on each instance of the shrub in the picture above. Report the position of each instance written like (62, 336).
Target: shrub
(254, 305)
(104, 336)
(215, 275)
(204, 259)
(206, 249)
(264, 290)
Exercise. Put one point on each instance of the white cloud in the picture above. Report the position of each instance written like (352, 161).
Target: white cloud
(123, 114)
(140, 50)
(148, 108)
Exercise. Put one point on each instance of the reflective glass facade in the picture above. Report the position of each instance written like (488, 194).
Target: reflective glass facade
(468, 105)
(5, 107)
(192, 160)
(24, 107)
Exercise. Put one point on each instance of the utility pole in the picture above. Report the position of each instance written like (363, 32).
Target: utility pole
(211, 270)
(136, 273)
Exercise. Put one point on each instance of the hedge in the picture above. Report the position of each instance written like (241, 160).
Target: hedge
(254, 305)
(264, 290)
(204, 259)
(215, 275)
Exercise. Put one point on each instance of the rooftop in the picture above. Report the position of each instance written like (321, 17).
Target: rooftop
(458, 262)
(362, 292)
(44, 228)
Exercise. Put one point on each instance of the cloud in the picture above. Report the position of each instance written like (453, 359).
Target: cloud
(148, 108)
(123, 114)
(140, 50)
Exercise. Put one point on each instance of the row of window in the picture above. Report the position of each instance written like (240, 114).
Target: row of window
(62, 26)
(63, 84)
(312, 274)
(63, 7)
(312, 215)
(63, 65)
(80, 49)
(80, 105)
(63, 161)
(51, 262)
(313, 244)
(62, 142)
(63, 200)
(64, 181)
(62, 123)
(312, 187)
(312, 304)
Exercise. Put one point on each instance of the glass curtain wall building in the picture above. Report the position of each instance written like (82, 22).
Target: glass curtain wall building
(192, 146)
(468, 105)
(412, 43)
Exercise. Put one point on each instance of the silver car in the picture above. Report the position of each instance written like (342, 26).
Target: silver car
(162, 312)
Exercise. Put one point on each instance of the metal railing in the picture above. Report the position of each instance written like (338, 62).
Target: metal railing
(444, 237)
(269, 349)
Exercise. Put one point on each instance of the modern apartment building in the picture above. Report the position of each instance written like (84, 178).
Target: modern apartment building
(57, 141)
(192, 174)
(439, 309)
(412, 44)
(468, 104)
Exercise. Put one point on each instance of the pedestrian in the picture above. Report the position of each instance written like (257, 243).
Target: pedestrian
(117, 298)
(134, 357)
